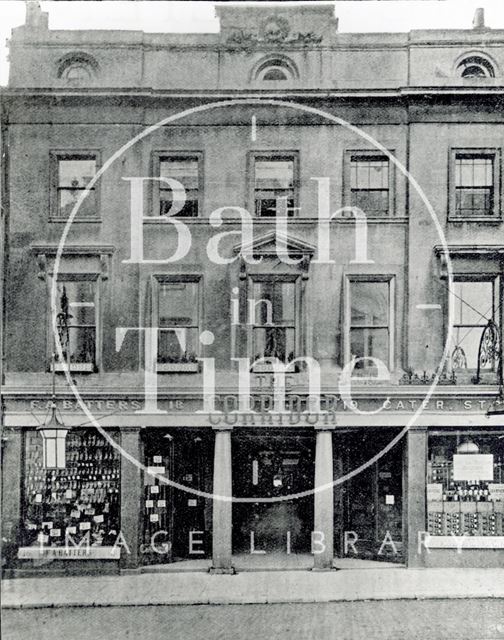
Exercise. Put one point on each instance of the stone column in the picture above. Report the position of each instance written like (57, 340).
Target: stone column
(131, 499)
(415, 517)
(222, 509)
(323, 536)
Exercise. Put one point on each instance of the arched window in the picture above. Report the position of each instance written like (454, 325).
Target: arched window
(75, 72)
(77, 67)
(475, 67)
(275, 73)
(275, 70)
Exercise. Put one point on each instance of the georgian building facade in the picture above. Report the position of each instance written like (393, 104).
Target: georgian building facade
(272, 124)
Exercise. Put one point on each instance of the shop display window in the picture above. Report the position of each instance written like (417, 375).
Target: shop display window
(465, 485)
(82, 500)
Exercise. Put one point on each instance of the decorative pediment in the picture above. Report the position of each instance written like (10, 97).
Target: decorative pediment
(277, 244)
(281, 248)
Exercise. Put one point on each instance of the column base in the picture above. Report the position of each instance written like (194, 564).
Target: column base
(218, 571)
(324, 569)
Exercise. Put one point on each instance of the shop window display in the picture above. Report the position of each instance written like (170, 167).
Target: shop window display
(81, 500)
(465, 485)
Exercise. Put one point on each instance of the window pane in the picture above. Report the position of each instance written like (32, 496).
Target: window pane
(185, 170)
(82, 344)
(80, 298)
(68, 199)
(189, 208)
(369, 172)
(466, 342)
(274, 174)
(278, 302)
(178, 304)
(472, 302)
(475, 202)
(369, 343)
(374, 202)
(274, 203)
(274, 342)
(76, 173)
(369, 303)
(170, 348)
(474, 170)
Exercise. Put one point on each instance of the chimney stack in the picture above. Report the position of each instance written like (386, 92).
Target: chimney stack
(479, 19)
(35, 17)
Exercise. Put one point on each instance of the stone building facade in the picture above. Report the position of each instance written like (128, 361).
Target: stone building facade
(272, 126)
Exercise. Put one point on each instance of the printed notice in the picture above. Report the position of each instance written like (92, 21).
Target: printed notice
(473, 466)
(434, 491)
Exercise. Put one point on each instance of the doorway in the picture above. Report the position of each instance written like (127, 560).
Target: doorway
(272, 465)
(176, 523)
(369, 506)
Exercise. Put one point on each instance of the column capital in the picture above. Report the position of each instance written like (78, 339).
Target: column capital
(324, 427)
(130, 429)
(222, 427)
(418, 428)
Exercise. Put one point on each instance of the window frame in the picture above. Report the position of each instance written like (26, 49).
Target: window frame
(390, 279)
(157, 158)
(76, 367)
(294, 278)
(497, 310)
(495, 154)
(347, 181)
(269, 154)
(55, 156)
(159, 279)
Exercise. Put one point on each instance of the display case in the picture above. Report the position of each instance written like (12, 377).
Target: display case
(75, 507)
(465, 485)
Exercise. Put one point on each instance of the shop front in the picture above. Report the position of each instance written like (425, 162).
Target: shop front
(434, 498)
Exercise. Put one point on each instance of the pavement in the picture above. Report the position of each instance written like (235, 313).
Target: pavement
(479, 619)
(252, 587)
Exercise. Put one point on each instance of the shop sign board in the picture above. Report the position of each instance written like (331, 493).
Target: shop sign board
(69, 553)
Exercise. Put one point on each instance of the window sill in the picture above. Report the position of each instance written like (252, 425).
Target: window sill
(478, 219)
(270, 220)
(269, 368)
(178, 367)
(75, 367)
(76, 219)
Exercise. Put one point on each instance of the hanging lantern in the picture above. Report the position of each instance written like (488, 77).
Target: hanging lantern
(54, 435)
(468, 446)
